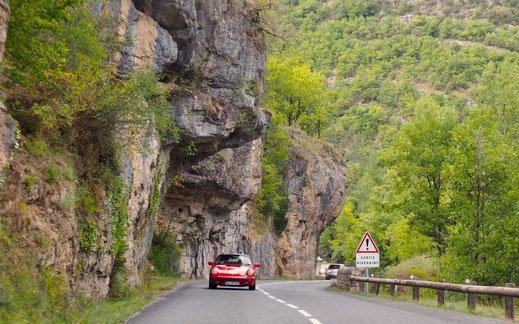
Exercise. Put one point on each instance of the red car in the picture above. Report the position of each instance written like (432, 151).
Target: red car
(233, 270)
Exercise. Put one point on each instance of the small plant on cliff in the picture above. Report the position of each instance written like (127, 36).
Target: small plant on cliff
(165, 253)
(119, 216)
(88, 236)
(272, 200)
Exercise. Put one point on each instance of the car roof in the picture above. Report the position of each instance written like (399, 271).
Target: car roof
(233, 254)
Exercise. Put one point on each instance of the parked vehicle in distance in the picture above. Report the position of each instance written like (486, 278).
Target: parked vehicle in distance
(331, 272)
(234, 270)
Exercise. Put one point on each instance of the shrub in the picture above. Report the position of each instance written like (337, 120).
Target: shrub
(53, 173)
(88, 236)
(37, 147)
(119, 216)
(165, 253)
(422, 267)
(272, 200)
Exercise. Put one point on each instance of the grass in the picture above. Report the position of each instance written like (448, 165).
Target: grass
(118, 311)
(454, 301)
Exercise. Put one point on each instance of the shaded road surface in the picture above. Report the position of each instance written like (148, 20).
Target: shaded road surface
(287, 302)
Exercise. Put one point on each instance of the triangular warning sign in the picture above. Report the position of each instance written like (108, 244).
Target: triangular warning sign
(367, 245)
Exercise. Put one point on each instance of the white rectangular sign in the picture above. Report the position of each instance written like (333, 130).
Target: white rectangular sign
(368, 260)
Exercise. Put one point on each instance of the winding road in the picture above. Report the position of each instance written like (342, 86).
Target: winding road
(287, 302)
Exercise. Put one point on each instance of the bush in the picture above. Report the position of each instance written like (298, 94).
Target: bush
(272, 200)
(119, 215)
(422, 267)
(53, 173)
(164, 254)
(37, 147)
(88, 236)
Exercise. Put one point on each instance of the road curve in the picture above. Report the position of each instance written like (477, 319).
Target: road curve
(288, 302)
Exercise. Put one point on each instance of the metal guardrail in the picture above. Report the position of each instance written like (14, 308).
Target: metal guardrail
(509, 292)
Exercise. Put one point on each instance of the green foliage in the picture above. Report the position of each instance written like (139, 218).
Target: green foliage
(37, 147)
(53, 174)
(88, 236)
(482, 177)
(59, 80)
(165, 254)
(119, 286)
(119, 215)
(88, 203)
(29, 182)
(296, 93)
(424, 268)
(272, 200)
(155, 196)
(425, 112)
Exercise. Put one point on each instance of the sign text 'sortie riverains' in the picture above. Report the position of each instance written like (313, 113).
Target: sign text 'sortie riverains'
(368, 255)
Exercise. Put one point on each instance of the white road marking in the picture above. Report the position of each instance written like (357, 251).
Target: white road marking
(305, 314)
(301, 311)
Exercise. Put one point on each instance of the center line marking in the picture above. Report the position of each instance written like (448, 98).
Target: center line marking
(301, 311)
(305, 314)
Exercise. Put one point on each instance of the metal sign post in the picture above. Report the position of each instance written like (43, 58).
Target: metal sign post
(366, 286)
(367, 256)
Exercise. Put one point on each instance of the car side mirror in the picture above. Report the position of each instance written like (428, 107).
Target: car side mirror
(256, 265)
(211, 264)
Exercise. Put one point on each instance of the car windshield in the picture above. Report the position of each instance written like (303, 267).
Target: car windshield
(232, 259)
(334, 266)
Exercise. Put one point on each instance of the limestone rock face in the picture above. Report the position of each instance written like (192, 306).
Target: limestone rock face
(146, 45)
(202, 206)
(144, 167)
(219, 41)
(316, 183)
(220, 67)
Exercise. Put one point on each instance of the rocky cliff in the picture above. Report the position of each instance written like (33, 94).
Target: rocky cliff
(210, 55)
(316, 182)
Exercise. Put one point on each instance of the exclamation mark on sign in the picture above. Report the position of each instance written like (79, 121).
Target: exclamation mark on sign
(367, 244)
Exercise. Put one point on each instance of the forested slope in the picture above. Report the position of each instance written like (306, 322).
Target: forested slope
(421, 99)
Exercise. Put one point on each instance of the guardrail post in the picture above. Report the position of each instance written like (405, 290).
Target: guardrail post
(441, 295)
(509, 304)
(416, 290)
(377, 288)
(471, 297)
(392, 288)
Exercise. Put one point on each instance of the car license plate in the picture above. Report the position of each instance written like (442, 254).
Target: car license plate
(232, 283)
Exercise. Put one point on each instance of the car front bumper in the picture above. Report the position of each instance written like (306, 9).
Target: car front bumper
(238, 281)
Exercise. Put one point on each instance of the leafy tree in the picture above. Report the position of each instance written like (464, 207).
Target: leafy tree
(296, 93)
(482, 178)
(416, 161)
(272, 199)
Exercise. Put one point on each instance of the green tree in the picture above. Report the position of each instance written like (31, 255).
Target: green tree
(272, 199)
(294, 91)
(482, 178)
(415, 161)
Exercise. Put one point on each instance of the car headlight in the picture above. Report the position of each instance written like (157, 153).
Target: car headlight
(250, 272)
(214, 271)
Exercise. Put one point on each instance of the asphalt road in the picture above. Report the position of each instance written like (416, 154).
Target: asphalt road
(287, 302)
